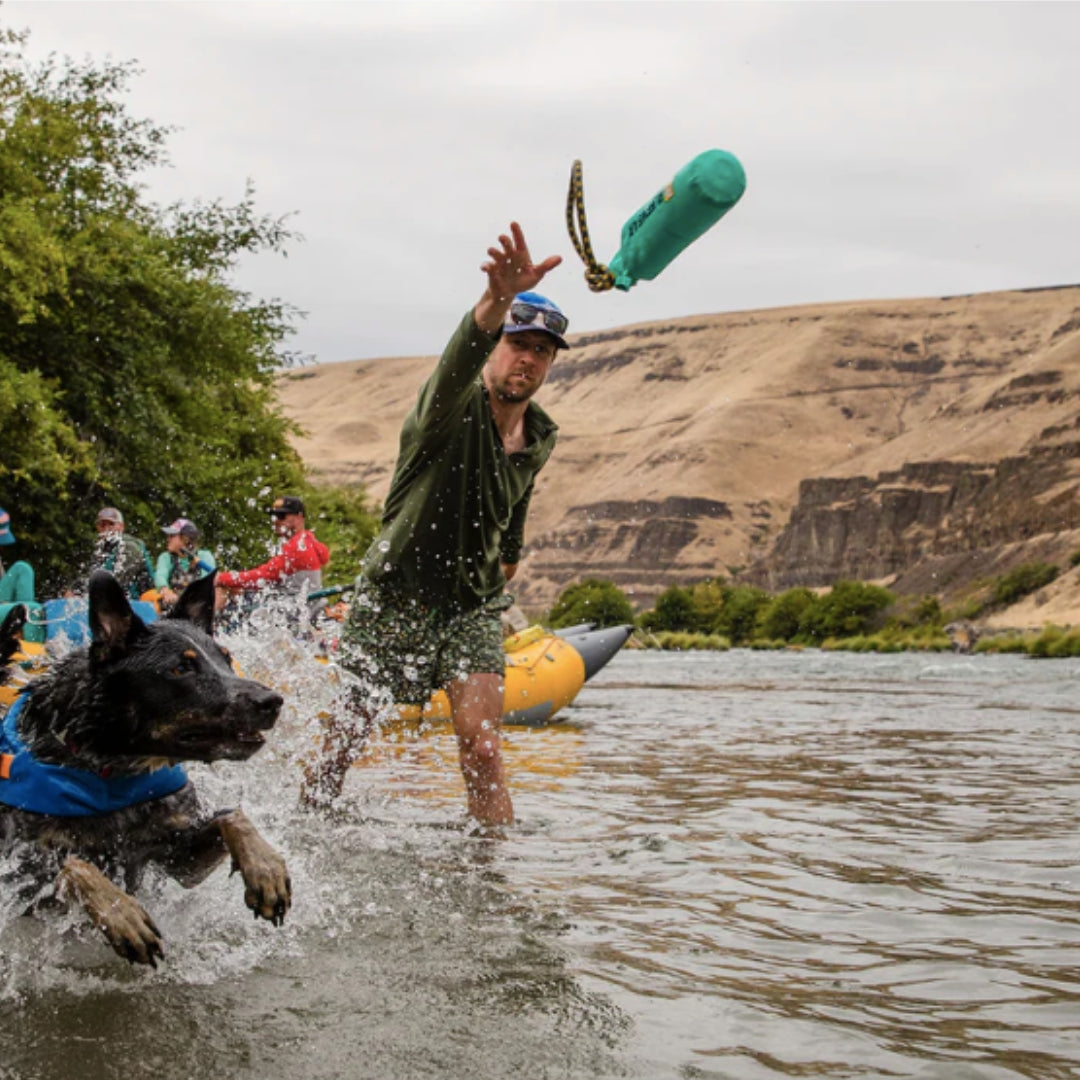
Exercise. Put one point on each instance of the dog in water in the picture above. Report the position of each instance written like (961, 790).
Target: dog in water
(91, 789)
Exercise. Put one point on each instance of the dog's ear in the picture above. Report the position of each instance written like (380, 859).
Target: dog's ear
(11, 630)
(113, 625)
(196, 604)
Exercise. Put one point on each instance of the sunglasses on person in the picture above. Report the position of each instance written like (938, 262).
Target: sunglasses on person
(526, 314)
(279, 514)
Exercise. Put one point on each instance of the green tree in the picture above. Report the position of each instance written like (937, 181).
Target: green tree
(739, 612)
(131, 370)
(674, 610)
(592, 600)
(708, 599)
(781, 618)
(849, 608)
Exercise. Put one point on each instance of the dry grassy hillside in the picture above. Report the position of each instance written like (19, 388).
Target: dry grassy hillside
(683, 444)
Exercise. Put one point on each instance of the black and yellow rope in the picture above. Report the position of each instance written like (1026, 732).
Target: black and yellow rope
(597, 276)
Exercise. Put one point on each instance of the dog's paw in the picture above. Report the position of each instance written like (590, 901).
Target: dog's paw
(132, 933)
(267, 886)
(121, 918)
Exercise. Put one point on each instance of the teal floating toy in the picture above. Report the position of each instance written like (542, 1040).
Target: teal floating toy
(700, 194)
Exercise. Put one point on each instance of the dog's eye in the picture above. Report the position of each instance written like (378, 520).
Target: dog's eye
(185, 666)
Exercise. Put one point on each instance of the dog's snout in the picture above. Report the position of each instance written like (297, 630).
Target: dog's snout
(264, 703)
(269, 706)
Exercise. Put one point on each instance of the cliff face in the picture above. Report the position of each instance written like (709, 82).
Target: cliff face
(866, 529)
(952, 519)
(796, 445)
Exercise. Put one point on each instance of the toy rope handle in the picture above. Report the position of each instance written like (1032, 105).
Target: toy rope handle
(598, 277)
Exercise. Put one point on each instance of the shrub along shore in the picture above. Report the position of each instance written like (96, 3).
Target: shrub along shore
(1051, 642)
(851, 616)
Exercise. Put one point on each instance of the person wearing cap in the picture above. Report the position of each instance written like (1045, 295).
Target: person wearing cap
(426, 609)
(182, 561)
(297, 565)
(17, 580)
(125, 557)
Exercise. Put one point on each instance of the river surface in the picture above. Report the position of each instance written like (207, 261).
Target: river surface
(742, 865)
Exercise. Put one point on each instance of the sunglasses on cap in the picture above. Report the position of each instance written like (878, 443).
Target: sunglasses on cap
(526, 314)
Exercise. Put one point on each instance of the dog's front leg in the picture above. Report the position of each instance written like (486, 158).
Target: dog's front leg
(267, 887)
(130, 931)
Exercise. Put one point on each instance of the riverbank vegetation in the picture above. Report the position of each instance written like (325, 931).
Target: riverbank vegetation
(851, 616)
(1050, 642)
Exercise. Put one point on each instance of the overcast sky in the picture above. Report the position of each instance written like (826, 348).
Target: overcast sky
(891, 150)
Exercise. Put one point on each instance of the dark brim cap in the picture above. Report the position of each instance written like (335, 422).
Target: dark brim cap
(288, 504)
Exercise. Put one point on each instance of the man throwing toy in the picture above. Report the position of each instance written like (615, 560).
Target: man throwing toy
(426, 610)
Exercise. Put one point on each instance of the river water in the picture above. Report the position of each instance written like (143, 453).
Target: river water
(742, 865)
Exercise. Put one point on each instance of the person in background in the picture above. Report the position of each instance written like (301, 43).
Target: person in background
(125, 557)
(182, 561)
(295, 568)
(17, 580)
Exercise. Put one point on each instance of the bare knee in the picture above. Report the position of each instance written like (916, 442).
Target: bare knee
(480, 739)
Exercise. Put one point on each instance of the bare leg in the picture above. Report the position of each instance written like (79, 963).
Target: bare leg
(343, 739)
(477, 704)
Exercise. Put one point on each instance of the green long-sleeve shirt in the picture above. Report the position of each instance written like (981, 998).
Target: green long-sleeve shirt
(457, 502)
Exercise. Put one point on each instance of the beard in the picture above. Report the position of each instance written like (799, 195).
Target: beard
(514, 390)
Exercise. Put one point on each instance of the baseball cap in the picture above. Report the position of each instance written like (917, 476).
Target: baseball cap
(531, 311)
(110, 513)
(287, 504)
(6, 535)
(182, 527)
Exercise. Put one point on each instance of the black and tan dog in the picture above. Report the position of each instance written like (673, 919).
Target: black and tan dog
(91, 790)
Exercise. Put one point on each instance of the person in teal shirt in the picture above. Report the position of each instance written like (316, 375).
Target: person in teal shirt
(17, 580)
(17, 586)
(182, 561)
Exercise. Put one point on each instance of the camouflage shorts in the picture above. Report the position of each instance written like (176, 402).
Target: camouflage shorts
(408, 650)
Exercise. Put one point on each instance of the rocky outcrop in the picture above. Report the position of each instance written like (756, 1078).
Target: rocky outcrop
(867, 529)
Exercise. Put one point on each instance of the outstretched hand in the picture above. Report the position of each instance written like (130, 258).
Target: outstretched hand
(510, 270)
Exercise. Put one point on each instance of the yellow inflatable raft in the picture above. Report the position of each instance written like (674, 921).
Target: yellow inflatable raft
(544, 673)
(29, 661)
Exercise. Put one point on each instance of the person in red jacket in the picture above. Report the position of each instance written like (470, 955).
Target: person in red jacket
(297, 566)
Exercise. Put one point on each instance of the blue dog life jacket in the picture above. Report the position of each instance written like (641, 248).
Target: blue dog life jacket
(29, 784)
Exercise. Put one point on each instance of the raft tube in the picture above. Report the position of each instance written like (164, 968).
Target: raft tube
(544, 673)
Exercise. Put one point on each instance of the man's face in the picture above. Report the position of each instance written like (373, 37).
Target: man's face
(519, 364)
(287, 524)
(109, 528)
